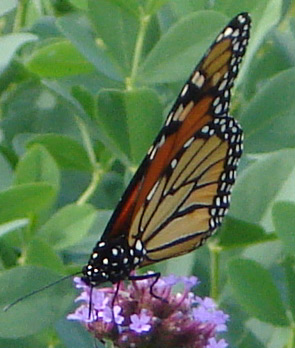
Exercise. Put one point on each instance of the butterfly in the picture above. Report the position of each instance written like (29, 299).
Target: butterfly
(181, 191)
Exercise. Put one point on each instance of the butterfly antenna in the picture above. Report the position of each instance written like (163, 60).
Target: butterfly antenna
(6, 308)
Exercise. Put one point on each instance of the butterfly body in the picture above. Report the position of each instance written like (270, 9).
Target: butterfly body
(112, 261)
(181, 191)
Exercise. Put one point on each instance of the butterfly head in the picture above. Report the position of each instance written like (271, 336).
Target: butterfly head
(112, 261)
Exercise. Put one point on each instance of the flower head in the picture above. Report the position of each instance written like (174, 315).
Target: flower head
(138, 319)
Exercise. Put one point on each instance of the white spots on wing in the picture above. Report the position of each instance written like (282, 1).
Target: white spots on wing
(218, 108)
(178, 112)
(244, 42)
(216, 101)
(152, 155)
(241, 19)
(169, 118)
(138, 245)
(236, 46)
(94, 255)
(105, 261)
(101, 244)
(233, 61)
(173, 163)
(236, 33)
(219, 37)
(136, 260)
(212, 131)
(222, 85)
(152, 191)
(184, 90)
(162, 141)
(205, 129)
(198, 79)
(115, 251)
(227, 31)
(188, 142)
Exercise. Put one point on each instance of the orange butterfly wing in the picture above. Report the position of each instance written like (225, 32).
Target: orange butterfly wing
(181, 191)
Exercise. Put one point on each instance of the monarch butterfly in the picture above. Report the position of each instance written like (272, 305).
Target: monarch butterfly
(181, 191)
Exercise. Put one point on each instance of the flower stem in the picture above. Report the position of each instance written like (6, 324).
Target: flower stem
(144, 21)
(214, 275)
(97, 171)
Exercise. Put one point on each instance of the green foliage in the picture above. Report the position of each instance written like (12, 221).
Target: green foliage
(83, 86)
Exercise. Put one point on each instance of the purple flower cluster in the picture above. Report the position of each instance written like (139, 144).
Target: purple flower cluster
(138, 319)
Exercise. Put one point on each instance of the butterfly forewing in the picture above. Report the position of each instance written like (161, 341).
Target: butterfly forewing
(181, 191)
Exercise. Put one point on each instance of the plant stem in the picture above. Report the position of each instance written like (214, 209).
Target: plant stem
(214, 274)
(144, 21)
(97, 171)
(291, 342)
(19, 16)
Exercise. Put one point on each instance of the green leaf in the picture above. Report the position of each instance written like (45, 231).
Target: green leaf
(143, 126)
(81, 36)
(37, 312)
(39, 253)
(284, 220)
(152, 6)
(275, 105)
(257, 186)
(37, 166)
(78, 338)
(7, 6)
(255, 290)
(130, 5)
(85, 99)
(68, 226)
(129, 119)
(235, 234)
(80, 4)
(289, 268)
(9, 44)
(57, 60)
(265, 15)
(23, 200)
(6, 173)
(177, 52)
(110, 115)
(67, 152)
(12, 226)
(119, 42)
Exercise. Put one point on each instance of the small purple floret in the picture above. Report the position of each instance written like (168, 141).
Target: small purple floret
(137, 319)
(139, 323)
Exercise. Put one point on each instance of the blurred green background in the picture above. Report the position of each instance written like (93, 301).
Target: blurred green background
(84, 88)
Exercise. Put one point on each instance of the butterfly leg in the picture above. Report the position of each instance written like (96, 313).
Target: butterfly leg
(90, 302)
(155, 275)
(113, 304)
